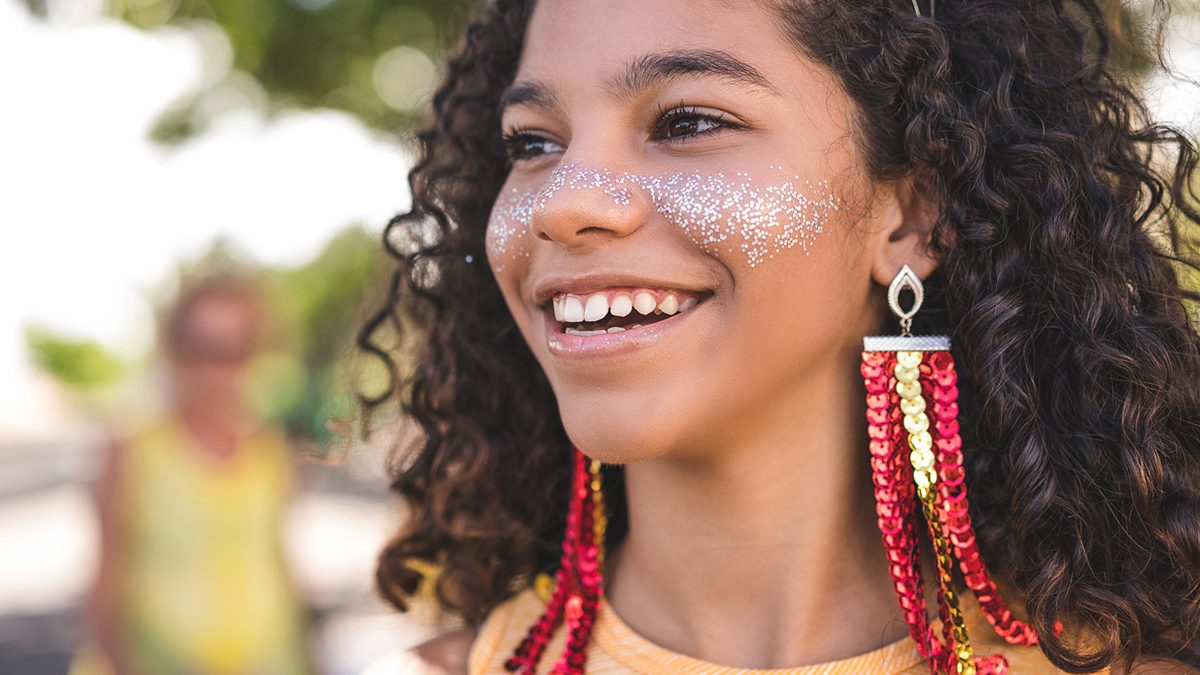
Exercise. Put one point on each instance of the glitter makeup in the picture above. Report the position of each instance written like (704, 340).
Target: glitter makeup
(723, 214)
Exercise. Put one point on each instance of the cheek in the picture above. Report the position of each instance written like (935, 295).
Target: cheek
(798, 264)
(744, 222)
(801, 302)
(507, 237)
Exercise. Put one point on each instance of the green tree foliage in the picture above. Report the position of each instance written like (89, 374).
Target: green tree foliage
(320, 305)
(83, 365)
(314, 53)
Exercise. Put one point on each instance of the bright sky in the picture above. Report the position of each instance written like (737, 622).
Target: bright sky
(92, 213)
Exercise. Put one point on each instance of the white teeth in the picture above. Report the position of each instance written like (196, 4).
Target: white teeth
(622, 305)
(596, 308)
(572, 309)
(643, 302)
(669, 304)
(616, 329)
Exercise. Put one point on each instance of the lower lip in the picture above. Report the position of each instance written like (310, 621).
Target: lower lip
(611, 344)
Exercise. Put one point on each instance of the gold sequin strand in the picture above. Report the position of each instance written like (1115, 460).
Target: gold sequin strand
(920, 443)
(599, 518)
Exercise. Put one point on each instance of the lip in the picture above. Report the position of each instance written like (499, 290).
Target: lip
(565, 345)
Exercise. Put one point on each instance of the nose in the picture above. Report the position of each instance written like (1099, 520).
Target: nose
(586, 203)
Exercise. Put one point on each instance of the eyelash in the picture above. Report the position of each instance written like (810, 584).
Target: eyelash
(663, 118)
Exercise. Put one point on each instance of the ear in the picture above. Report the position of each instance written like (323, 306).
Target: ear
(908, 212)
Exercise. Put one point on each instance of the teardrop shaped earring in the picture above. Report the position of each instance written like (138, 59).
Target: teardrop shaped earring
(916, 462)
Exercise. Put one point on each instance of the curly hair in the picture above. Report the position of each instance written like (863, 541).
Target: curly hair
(1066, 226)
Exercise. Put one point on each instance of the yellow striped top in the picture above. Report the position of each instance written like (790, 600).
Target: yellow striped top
(616, 649)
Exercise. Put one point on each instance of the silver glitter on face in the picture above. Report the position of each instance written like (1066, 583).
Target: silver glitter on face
(511, 215)
(723, 214)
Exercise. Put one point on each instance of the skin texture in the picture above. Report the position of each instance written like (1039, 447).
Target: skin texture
(741, 428)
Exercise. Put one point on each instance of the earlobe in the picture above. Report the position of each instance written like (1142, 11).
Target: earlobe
(909, 216)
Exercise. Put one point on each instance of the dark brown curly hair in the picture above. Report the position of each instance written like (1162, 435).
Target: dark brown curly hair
(1066, 229)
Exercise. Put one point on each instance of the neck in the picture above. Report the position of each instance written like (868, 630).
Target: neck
(216, 426)
(765, 554)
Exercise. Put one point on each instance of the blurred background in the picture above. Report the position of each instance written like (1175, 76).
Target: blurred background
(147, 146)
(191, 197)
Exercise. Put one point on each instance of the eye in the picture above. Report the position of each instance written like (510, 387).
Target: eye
(675, 125)
(521, 144)
(686, 122)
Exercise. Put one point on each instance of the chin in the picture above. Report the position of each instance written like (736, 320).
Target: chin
(614, 431)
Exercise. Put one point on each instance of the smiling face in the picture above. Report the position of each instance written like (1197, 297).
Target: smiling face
(686, 235)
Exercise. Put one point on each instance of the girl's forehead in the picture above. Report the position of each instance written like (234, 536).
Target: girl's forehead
(600, 39)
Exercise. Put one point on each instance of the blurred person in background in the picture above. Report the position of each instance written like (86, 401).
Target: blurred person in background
(192, 574)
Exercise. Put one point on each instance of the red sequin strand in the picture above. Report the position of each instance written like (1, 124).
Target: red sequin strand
(952, 497)
(582, 605)
(895, 500)
(577, 587)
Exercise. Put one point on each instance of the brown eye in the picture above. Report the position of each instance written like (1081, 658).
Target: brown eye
(683, 123)
(521, 145)
(682, 126)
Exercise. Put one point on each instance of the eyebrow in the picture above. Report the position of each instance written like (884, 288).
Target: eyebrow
(531, 93)
(651, 69)
(646, 71)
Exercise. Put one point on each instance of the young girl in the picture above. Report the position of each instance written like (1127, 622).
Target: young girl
(647, 242)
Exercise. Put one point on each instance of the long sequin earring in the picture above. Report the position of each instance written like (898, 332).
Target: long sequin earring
(917, 462)
(578, 584)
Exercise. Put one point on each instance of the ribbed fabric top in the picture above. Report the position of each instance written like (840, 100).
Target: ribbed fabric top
(616, 649)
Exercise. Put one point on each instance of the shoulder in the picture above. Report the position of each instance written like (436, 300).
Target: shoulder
(445, 654)
(473, 650)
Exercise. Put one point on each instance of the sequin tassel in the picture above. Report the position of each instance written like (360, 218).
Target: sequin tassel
(578, 582)
(916, 452)
(899, 383)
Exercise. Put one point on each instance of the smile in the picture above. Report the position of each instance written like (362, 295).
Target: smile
(614, 320)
